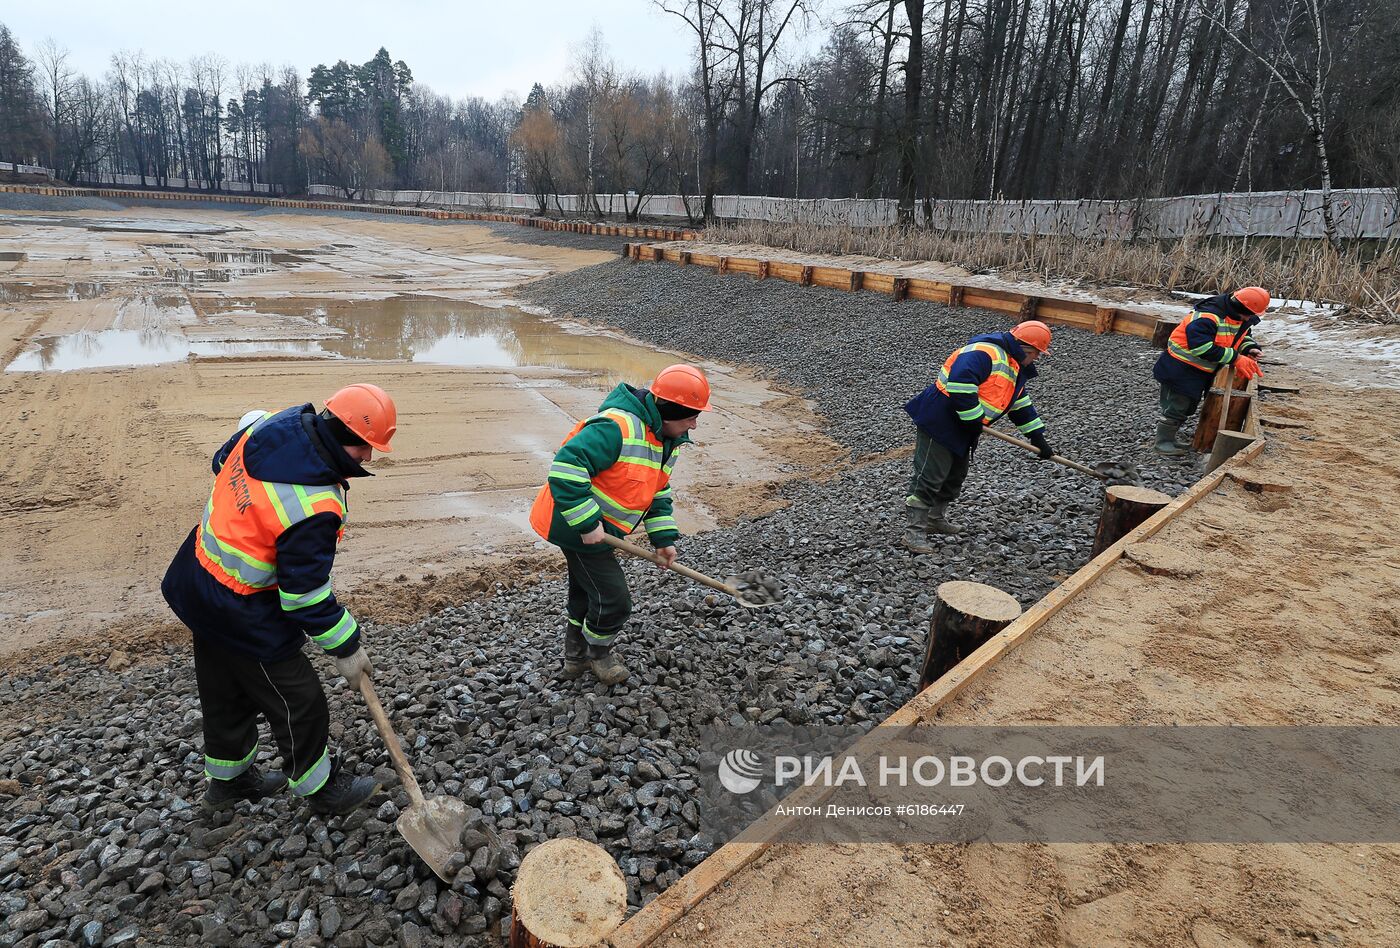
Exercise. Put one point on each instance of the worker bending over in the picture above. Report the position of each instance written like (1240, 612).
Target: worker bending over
(1216, 333)
(979, 383)
(612, 474)
(253, 581)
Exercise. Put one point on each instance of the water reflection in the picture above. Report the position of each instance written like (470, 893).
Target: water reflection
(453, 332)
(445, 332)
(111, 348)
(81, 290)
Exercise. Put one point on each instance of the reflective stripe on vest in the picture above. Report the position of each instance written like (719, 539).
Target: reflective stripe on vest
(1228, 333)
(237, 542)
(994, 395)
(622, 493)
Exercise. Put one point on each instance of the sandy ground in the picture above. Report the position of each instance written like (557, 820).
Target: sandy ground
(1293, 620)
(105, 469)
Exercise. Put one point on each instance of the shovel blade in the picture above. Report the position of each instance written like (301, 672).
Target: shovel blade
(434, 829)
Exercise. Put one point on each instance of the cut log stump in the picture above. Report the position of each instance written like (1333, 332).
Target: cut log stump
(568, 893)
(967, 614)
(1159, 559)
(1260, 483)
(1124, 509)
(1227, 445)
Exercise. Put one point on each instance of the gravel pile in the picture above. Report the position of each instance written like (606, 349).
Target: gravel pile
(20, 201)
(103, 841)
(518, 234)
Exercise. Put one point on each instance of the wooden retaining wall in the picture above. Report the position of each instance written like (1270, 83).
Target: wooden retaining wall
(653, 921)
(1064, 312)
(542, 223)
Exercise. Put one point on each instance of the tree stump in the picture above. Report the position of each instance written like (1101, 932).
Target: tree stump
(1125, 508)
(1159, 559)
(1227, 445)
(1209, 423)
(568, 893)
(1260, 483)
(967, 615)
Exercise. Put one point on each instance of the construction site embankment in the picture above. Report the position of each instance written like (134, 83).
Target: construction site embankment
(802, 470)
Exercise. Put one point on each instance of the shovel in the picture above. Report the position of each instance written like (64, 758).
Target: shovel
(696, 575)
(432, 827)
(1083, 469)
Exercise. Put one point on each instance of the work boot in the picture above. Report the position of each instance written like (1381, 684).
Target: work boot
(916, 529)
(575, 653)
(252, 784)
(1166, 440)
(342, 793)
(938, 523)
(605, 665)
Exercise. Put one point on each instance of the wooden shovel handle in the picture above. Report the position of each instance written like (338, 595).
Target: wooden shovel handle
(699, 577)
(391, 741)
(1224, 422)
(1054, 457)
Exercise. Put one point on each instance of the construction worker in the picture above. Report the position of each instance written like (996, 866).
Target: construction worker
(612, 474)
(1216, 333)
(978, 384)
(253, 581)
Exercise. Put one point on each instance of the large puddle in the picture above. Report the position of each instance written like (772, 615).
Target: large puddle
(444, 332)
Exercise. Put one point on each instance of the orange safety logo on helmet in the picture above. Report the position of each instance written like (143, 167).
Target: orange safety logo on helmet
(995, 394)
(237, 540)
(368, 411)
(1033, 333)
(683, 384)
(621, 494)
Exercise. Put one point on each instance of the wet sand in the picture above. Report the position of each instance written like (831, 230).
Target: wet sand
(107, 464)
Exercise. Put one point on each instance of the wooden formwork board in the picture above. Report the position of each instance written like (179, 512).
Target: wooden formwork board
(1061, 311)
(652, 922)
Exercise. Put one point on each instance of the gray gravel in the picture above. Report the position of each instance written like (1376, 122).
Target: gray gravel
(20, 201)
(517, 234)
(104, 843)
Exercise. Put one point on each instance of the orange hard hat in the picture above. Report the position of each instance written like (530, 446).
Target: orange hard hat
(1033, 333)
(683, 384)
(368, 411)
(1253, 298)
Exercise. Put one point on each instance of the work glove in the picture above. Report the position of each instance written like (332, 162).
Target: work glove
(1042, 446)
(1246, 368)
(353, 666)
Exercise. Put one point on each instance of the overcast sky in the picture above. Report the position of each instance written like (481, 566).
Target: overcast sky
(470, 47)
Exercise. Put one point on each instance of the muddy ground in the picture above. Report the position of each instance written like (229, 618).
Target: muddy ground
(107, 463)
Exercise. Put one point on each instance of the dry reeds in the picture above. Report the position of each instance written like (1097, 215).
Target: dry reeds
(1367, 286)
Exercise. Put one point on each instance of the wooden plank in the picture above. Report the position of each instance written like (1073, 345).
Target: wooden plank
(879, 282)
(929, 290)
(781, 270)
(743, 265)
(992, 299)
(1066, 318)
(672, 254)
(704, 260)
(834, 278)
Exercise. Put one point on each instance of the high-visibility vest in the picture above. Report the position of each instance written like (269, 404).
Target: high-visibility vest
(995, 394)
(1227, 335)
(237, 540)
(621, 493)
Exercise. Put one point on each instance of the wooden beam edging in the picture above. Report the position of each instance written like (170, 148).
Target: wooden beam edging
(676, 902)
(1061, 311)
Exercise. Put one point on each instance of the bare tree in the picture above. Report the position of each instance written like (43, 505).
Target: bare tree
(718, 63)
(1302, 74)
